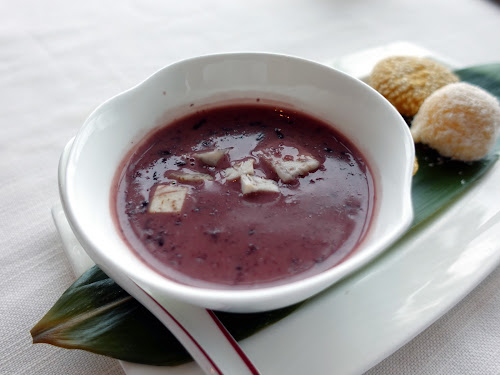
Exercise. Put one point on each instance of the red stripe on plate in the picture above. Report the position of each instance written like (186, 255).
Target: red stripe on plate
(209, 359)
(253, 370)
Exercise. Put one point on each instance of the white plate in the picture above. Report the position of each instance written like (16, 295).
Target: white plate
(357, 323)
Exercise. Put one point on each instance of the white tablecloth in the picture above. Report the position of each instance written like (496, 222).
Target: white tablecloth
(60, 59)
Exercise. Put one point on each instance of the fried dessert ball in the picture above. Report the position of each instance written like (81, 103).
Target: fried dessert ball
(460, 121)
(406, 81)
(415, 166)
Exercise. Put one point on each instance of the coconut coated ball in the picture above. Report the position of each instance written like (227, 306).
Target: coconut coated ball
(415, 166)
(406, 81)
(460, 121)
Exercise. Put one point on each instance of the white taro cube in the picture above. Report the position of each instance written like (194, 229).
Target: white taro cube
(168, 199)
(293, 166)
(190, 177)
(239, 169)
(211, 158)
(256, 184)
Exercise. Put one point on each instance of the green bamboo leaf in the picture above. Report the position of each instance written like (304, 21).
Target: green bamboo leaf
(449, 178)
(485, 76)
(96, 315)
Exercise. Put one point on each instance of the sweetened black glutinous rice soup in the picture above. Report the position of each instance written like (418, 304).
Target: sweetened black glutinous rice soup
(244, 195)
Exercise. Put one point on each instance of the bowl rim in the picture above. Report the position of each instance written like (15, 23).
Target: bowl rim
(239, 298)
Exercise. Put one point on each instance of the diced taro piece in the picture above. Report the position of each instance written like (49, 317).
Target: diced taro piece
(239, 169)
(190, 177)
(168, 199)
(289, 167)
(256, 184)
(211, 158)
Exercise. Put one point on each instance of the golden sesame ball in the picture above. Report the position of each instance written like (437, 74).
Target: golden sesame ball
(460, 121)
(406, 81)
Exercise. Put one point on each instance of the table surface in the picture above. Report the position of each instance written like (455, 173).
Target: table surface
(59, 60)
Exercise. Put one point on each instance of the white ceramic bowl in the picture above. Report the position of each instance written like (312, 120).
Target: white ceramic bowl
(86, 171)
